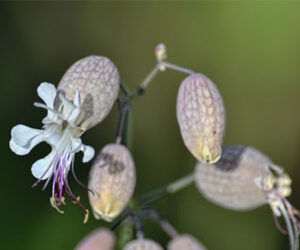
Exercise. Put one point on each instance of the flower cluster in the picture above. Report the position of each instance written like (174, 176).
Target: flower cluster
(235, 177)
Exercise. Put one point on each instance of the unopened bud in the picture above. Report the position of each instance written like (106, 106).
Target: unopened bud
(100, 239)
(201, 117)
(161, 52)
(97, 80)
(112, 180)
(185, 242)
(143, 244)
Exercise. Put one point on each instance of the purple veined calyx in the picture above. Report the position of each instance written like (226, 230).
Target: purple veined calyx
(84, 97)
(112, 180)
(201, 117)
(143, 244)
(244, 179)
(185, 242)
(99, 239)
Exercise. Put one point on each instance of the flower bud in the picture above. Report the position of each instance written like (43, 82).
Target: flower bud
(112, 180)
(236, 180)
(100, 239)
(185, 242)
(143, 244)
(97, 80)
(201, 117)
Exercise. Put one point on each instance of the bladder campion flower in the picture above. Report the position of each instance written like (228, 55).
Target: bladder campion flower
(244, 179)
(84, 97)
(185, 242)
(99, 239)
(143, 244)
(112, 180)
(201, 117)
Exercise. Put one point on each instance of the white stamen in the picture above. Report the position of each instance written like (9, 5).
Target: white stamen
(288, 224)
(294, 221)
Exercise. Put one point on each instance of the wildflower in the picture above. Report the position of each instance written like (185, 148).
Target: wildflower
(112, 180)
(84, 97)
(185, 242)
(99, 239)
(143, 244)
(201, 117)
(244, 179)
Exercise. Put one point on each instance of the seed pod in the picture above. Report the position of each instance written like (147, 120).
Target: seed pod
(185, 242)
(112, 180)
(100, 239)
(201, 117)
(143, 244)
(98, 82)
(244, 179)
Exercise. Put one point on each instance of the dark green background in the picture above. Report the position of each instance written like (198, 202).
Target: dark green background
(251, 50)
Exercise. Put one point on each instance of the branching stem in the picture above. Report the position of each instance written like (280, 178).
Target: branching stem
(124, 135)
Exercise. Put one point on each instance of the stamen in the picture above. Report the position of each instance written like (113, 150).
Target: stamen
(78, 181)
(61, 167)
(63, 200)
(294, 222)
(288, 223)
(295, 210)
(69, 192)
(54, 205)
(55, 173)
(277, 223)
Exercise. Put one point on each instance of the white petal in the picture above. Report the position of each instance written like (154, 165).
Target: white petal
(67, 106)
(17, 149)
(22, 134)
(88, 153)
(47, 92)
(24, 138)
(52, 115)
(73, 116)
(77, 99)
(39, 167)
(76, 145)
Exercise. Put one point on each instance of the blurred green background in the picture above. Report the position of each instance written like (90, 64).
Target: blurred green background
(251, 50)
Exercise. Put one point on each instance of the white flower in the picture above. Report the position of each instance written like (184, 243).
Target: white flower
(62, 131)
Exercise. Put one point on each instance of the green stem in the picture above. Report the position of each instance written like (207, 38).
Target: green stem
(128, 133)
(169, 189)
(126, 234)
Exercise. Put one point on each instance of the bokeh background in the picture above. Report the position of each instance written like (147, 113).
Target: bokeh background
(251, 50)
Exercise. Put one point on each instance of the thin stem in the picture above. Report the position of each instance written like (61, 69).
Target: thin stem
(180, 184)
(142, 87)
(168, 228)
(124, 108)
(152, 214)
(119, 222)
(169, 189)
(125, 89)
(128, 128)
(177, 68)
(125, 234)
(139, 226)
